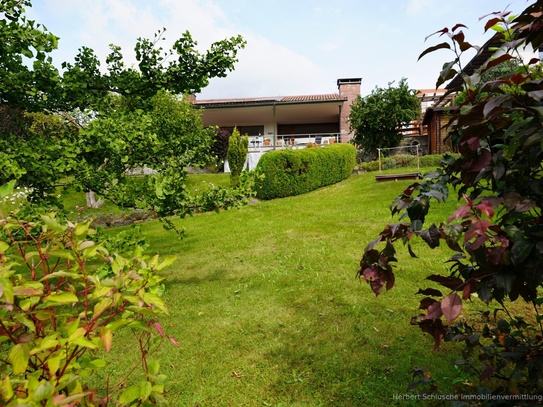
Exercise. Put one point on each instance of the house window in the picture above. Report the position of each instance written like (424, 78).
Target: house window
(246, 130)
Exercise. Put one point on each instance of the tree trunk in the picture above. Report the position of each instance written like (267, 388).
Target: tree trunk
(92, 202)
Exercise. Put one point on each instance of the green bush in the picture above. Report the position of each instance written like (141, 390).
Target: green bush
(403, 160)
(64, 298)
(294, 172)
(434, 160)
(238, 148)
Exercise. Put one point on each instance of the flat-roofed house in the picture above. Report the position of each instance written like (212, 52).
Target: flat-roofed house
(286, 120)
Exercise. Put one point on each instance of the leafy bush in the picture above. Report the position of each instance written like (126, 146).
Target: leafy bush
(388, 163)
(496, 235)
(434, 160)
(294, 172)
(403, 160)
(57, 311)
(219, 148)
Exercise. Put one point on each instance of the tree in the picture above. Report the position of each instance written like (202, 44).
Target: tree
(496, 235)
(133, 115)
(376, 118)
(238, 148)
(28, 78)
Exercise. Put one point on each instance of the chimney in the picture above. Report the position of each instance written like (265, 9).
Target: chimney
(349, 88)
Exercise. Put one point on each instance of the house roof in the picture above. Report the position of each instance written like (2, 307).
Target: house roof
(270, 100)
(437, 109)
(485, 53)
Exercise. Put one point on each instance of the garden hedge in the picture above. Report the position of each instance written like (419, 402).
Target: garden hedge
(294, 172)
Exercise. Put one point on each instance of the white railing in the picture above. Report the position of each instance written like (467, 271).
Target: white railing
(292, 140)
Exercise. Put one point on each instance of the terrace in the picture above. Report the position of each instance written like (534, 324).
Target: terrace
(291, 141)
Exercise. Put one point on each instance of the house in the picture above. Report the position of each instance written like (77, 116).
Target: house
(286, 120)
(417, 133)
(436, 117)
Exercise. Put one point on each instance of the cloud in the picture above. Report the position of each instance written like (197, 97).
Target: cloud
(268, 69)
(417, 7)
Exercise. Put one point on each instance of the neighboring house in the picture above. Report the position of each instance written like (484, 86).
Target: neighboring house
(418, 132)
(286, 120)
(436, 117)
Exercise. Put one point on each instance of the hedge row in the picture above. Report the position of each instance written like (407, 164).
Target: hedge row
(294, 172)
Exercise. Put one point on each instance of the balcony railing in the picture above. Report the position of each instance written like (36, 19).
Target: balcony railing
(291, 140)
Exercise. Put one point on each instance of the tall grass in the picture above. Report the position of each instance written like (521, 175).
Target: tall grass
(267, 310)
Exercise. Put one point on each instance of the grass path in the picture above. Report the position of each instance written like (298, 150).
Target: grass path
(266, 307)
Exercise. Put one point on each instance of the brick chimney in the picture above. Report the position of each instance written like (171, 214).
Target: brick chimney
(349, 88)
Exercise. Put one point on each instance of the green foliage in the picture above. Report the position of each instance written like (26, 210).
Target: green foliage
(28, 78)
(293, 172)
(165, 141)
(85, 84)
(64, 298)
(495, 73)
(402, 160)
(219, 148)
(37, 150)
(496, 234)
(121, 118)
(238, 148)
(375, 119)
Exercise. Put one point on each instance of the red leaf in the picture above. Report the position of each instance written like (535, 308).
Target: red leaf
(372, 244)
(434, 311)
(491, 23)
(486, 374)
(450, 282)
(451, 306)
(496, 61)
(158, 327)
(459, 213)
(434, 328)
(467, 290)
(486, 208)
(478, 228)
(426, 302)
(434, 48)
(430, 291)
(457, 26)
(172, 340)
(107, 338)
(442, 31)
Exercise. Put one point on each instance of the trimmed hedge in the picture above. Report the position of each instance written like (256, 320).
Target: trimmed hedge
(294, 172)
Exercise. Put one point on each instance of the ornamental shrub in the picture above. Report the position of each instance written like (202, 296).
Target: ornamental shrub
(495, 236)
(238, 148)
(294, 172)
(63, 297)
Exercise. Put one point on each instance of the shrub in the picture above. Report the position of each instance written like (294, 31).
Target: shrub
(403, 160)
(238, 148)
(434, 160)
(495, 236)
(219, 148)
(56, 312)
(294, 172)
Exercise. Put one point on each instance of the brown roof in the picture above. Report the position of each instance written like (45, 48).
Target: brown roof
(437, 109)
(272, 100)
(484, 54)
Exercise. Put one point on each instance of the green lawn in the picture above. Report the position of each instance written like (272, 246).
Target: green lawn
(267, 310)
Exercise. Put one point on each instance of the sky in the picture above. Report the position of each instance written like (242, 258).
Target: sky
(294, 47)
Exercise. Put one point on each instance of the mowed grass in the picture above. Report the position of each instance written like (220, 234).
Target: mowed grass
(265, 304)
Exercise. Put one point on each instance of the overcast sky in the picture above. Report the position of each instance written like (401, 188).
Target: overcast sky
(294, 47)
